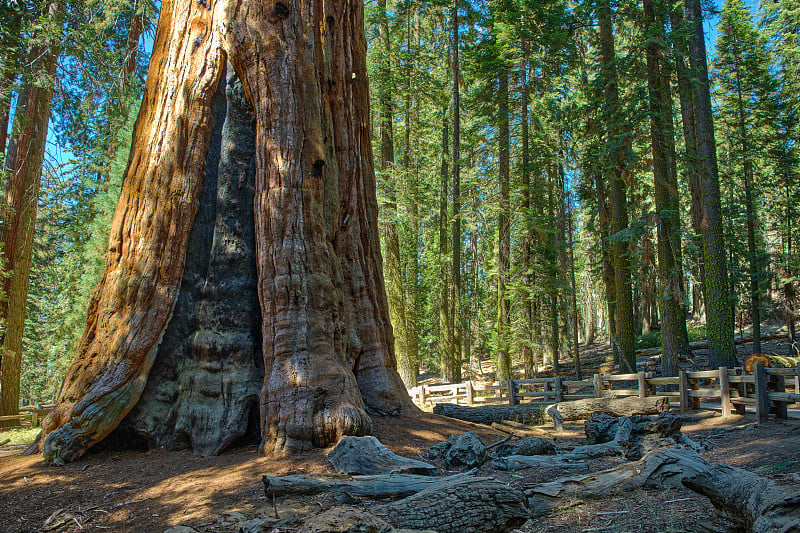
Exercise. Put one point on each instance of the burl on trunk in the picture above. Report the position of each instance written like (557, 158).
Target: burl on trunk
(243, 295)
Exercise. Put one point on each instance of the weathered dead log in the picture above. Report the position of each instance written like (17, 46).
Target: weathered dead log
(487, 414)
(754, 501)
(367, 456)
(520, 462)
(630, 406)
(665, 467)
(473, 504)
(527, 446)
(378, 486)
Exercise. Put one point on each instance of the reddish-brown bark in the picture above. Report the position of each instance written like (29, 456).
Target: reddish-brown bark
(327, 340)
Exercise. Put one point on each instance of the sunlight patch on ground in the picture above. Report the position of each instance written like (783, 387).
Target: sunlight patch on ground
(19, 436)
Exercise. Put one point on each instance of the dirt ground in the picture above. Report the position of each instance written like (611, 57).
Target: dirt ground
(150, 491)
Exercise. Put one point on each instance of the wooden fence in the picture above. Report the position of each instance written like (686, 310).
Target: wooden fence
(30, 415)
(729, 387)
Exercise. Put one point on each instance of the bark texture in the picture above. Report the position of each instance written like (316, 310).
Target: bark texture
(18, 210)
(326, 340)
(490, 413)
(464, 505)
(675, 340)
(718, 306)
(618, 138)
(630, 406)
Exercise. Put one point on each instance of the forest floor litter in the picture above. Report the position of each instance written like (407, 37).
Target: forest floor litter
(151, 491)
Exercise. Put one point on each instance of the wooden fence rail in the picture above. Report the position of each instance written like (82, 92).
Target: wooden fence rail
(729, 387)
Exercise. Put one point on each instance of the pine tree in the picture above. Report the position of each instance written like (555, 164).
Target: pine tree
(746, 88)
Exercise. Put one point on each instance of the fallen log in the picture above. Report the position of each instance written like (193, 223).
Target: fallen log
(367, 456)
(754, 501)
(469, 504)
(376, 486)
(524, 431)
(486, 414)
(630, 406)
(634, 436)
(665, 467)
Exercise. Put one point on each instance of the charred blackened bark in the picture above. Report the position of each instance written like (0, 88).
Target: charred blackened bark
(310, 248)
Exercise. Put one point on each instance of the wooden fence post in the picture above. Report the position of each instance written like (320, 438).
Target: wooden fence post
(557, 386)
(470, 393)
(683, 390)
(741, 409)
(724, 392)
(762, 405)
(797, 380)
(598, 385)
(512, 392)
(423, 392)
(781, 410)
(642, 384)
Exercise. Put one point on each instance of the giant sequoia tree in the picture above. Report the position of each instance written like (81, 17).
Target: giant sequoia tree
(243, 291)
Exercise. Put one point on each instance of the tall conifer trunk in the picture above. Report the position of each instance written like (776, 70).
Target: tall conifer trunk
(271, 98)
(528, 361)
(455, 270)
(718, 306)
(395, 285)
(674, 338)
(20, 198)
(750, 211)
(618, 150)
(445, 317)
(503, 231)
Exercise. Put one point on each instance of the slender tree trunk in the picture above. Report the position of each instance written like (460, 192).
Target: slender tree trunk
(325, 335)
(750, 212)
(21, 195)
(552, 255)
(718, 306)
(395, 285)
(618, 139)
(594, 129)
(528, 362)
(445, 317)
(688, 120)
(503, 231)
(576, 356)
(412, 198)
(674, 339)
(455, 271)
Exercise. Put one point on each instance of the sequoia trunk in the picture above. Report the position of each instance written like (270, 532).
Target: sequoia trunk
(292, 126)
